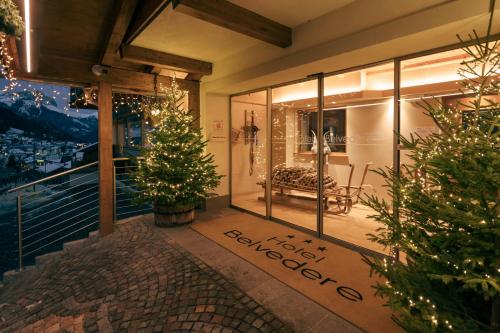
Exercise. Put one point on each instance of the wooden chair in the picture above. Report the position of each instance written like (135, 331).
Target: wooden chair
(350, 194)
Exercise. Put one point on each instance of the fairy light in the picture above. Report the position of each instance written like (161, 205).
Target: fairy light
(6, 68)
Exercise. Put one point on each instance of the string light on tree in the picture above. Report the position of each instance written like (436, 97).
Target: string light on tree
(176, 172)
(447, 198)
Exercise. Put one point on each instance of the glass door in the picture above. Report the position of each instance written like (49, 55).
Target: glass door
(248, 151)
(358, 122)
(294, 149)
(429, 79)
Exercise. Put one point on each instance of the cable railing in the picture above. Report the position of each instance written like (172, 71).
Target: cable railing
(125, 191)
(42, 215)
(54, 210)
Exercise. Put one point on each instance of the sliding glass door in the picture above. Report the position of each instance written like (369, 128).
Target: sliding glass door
(248, 151)
(294, 147)
(430, 79)
(358, 124)
(346, 137)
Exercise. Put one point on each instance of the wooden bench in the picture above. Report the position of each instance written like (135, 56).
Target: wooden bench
(345, 196)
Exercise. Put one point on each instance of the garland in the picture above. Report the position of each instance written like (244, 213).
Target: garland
(11, 22)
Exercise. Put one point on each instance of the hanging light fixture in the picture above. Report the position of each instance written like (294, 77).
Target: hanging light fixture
(155, 109)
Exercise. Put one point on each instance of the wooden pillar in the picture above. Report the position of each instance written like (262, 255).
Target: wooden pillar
(194, 102)
(105, 120)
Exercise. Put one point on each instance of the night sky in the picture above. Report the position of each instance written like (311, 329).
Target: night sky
(58, 92)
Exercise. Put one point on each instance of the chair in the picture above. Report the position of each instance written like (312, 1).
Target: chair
(350, 194)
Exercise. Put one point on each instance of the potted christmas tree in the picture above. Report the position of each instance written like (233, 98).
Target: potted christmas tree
(447, 226)
(175, 174)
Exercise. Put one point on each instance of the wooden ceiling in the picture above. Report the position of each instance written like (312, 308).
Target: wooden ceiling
(70, 37)
(72, 28)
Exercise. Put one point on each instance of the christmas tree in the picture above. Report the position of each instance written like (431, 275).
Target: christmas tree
(175, 172)
(445, 218)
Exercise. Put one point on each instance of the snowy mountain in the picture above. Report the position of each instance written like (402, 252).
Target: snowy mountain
(46, 119)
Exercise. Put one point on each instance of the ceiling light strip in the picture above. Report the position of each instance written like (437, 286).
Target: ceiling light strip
(27, 20)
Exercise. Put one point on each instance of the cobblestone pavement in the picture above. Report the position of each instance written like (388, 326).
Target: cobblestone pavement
(135, 280)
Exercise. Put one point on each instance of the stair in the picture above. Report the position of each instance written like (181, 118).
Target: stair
(42, 260)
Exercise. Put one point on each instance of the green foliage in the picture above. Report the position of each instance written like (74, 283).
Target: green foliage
(447, 229)
(176, 172)
(11, 22)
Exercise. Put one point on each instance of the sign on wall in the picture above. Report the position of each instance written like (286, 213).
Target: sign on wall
(218, 131)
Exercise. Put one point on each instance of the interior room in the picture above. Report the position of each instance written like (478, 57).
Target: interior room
(358, 125)
(248, 150)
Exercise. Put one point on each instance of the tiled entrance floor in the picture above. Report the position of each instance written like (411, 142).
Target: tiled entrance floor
(145, 279)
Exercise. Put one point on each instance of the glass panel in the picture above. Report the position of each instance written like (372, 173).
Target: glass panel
(358, 130)
(135, 133)
(432, 78)
(248, 149)
(293, 151)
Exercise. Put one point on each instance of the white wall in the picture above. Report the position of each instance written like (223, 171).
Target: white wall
(369, 132)
(215, 107)
(415, 121)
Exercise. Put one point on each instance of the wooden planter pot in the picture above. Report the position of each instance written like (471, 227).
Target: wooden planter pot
(171, 217)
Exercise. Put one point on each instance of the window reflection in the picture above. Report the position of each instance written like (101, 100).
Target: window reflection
(248, 151)
(358, 136)
(365, 97)
(294, 153)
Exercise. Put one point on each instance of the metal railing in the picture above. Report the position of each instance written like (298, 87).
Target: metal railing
(125, 190)
(64, 207)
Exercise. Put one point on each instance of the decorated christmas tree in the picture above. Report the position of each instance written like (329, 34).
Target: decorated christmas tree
(176, 172)
(445, 223)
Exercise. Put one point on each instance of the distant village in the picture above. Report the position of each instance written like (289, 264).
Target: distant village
(21, 154)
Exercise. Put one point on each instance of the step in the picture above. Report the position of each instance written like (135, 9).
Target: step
(44, 259)
(12, 275)
(76, 244)
(94, 235)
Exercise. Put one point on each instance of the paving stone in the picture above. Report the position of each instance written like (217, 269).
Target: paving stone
(137, 280)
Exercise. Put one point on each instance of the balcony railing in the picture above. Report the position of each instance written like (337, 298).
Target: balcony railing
(125, 190)
(62, 208)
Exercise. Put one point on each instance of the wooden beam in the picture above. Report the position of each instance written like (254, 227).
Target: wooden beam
(146, 12)
(194, 103)
(194, 77)
(155, 70)
(119, 63)
(62, 70)
(79, 73)
(239, 19)
(124, 11)
(166, 60)
(142, 81)
(106, 176)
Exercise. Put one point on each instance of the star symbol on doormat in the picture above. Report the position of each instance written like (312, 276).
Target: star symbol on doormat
(309, 241)
(322, 248)
(290, 236)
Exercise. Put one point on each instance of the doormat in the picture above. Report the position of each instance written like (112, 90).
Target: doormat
(333, 276)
